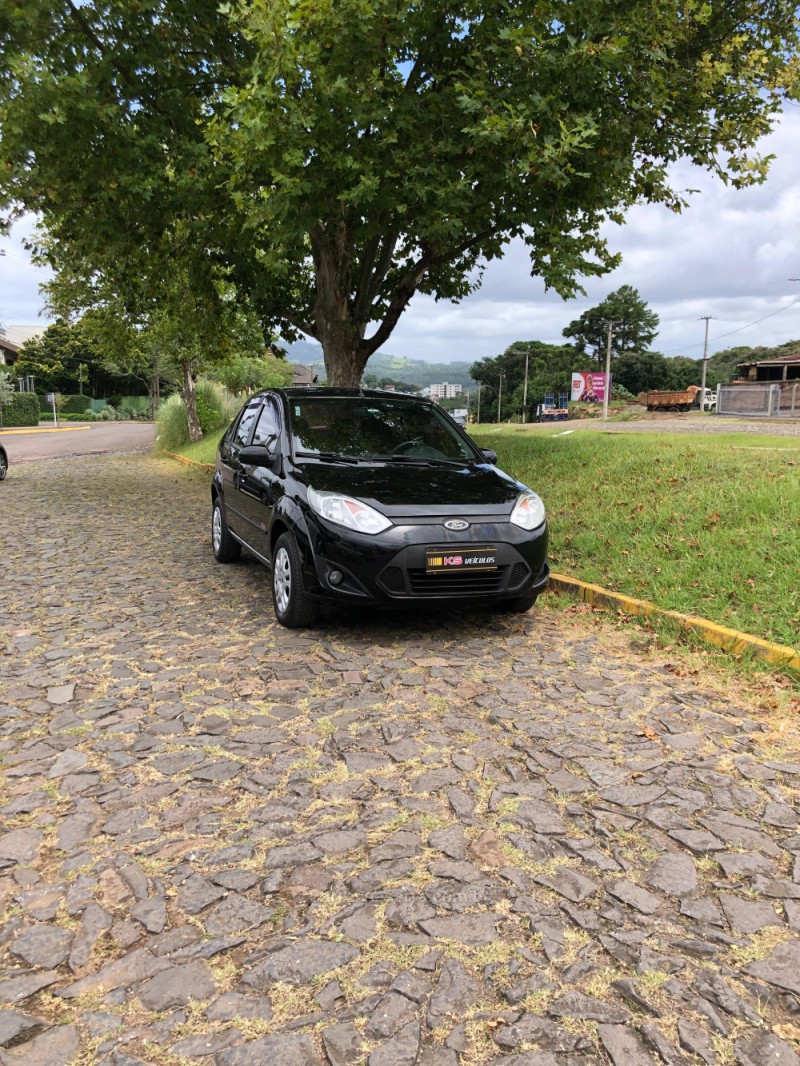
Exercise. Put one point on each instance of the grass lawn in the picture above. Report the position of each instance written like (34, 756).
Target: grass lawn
(704, 524)
(700, 523)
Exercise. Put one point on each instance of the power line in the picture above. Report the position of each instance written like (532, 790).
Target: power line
(721, 336)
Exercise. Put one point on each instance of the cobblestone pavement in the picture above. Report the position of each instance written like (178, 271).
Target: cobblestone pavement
(446, 840)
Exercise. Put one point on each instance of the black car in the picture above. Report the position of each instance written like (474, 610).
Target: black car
(369, 497)
(3, 463)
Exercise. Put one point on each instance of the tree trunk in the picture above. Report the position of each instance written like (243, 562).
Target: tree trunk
(189, 397)
(340, 336)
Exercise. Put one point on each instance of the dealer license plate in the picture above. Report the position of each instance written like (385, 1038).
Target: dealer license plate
(481, 558)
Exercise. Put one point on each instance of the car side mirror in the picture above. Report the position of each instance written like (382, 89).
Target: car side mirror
(258, 455)
(489, 456)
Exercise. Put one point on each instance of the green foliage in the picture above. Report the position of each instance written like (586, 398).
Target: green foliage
(634, 326)
(215, 408)
(21, 409)
(664, 518)
(6, 392)
(328, 160)
(74, 405)
(245, 374)
(173, 424)
(215, 405)
(550, 368)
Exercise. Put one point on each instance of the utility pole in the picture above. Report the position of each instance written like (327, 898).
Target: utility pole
(607, 389)
(478, 418)
(706, 319)
(499, 397)
(525, 391)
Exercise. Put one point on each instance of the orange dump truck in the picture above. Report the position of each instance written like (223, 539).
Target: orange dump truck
(670, 401)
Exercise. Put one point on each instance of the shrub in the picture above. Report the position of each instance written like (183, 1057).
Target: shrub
(74, 405)
(215, 405)
(108, 414)
(215, 409)
(22, 409)
(173, 425)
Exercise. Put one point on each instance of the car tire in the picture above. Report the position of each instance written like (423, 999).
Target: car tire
(519, 605)
(3, 465)
(226, 549)
(294, 608)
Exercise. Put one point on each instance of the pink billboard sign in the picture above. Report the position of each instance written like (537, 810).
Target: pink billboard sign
(588, 387)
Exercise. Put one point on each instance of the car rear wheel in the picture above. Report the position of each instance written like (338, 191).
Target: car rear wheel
(294, 608)
(3, 464)
(226, 549)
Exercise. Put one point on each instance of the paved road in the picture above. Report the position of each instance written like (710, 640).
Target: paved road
(77, 438)
(445, 840)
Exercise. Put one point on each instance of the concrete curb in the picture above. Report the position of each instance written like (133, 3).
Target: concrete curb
(188, 462)
(42, 429)
(730, 640)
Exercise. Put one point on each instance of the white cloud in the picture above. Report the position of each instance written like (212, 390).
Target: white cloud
(20, 301)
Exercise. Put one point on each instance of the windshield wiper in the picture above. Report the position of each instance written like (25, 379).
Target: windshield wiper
(334, 457)
(419, 460)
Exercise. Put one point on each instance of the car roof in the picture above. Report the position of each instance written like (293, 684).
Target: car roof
(301, 391)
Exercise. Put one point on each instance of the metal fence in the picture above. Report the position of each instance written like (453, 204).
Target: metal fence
(756, 401)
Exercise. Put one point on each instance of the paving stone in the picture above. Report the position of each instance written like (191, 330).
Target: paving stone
(302, 961)
(624, 1046)
(471, 929)
(137, 966)
(18, 989)
(42, 945)
(575, 1004)
(569, 883)
(20, 845)
(781, 968)
(758, 1049)
(342, 1044)
(635, 896)
(456, 989)
(401, 1050)
(289, 1049)
(674, 874)
(234, 914)
(56, 1047)
(233, 1005)
(177, 986)
(15, 1025)
(747, 915)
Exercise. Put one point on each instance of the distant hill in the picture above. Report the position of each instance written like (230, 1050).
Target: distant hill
(415, 371)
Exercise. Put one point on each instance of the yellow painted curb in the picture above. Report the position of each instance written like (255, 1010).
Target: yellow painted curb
(730, 640)
(189, 462)
(43, 429)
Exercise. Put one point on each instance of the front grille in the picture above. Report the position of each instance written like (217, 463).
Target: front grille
(456, 583)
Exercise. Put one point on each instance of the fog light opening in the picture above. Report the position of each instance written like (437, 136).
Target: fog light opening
(336, 577)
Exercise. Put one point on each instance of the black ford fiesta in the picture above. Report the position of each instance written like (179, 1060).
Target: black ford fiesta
(368, 497)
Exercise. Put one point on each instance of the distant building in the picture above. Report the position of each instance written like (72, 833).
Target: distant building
(302, 375)
(444, 391)
(12, 339)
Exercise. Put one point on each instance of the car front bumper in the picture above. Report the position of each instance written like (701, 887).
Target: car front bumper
(390, 569)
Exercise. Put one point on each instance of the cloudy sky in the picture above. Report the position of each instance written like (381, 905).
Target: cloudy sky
(729, 255)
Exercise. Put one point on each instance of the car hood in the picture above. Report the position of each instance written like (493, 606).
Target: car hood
(400, 489)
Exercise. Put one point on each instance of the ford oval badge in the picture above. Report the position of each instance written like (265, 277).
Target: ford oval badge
(456, 523)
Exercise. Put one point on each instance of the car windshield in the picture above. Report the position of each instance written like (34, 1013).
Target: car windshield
(375, 428)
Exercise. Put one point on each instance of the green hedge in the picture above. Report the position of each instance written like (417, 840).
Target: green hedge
(75, 405)
(21, 410)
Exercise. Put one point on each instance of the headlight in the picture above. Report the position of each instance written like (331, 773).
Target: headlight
(528, 511)
(345, 511)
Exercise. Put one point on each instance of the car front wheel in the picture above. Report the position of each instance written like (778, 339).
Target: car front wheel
(294, 608)
(226, 549)
(519, 605)
(3, 464)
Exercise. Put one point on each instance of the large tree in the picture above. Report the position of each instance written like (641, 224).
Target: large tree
(335, 158)
(633, 326)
